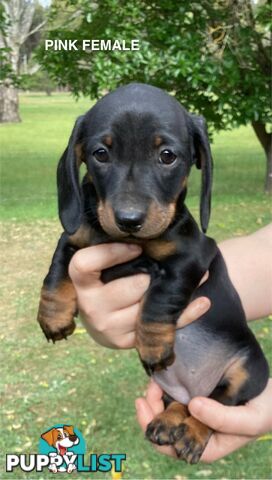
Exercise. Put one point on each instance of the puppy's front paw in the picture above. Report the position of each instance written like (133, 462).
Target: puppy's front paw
(155, 342)
(57, 310)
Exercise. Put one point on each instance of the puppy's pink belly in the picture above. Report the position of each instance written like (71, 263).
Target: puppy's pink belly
(201, 360)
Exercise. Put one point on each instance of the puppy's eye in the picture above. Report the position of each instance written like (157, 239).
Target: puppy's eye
(101, 155)
(167, 157)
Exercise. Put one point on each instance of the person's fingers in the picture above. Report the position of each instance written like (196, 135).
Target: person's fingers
(98, 301)
(123, 292)
(115, 330)
(144, 412)
(238, 420)
(154, 397)
(218, 446)
(86, 264)
(221, 444)
(120, 342)
(195, 309)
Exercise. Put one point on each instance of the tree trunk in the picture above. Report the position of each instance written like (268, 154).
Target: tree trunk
(9, 104)
(265, 139)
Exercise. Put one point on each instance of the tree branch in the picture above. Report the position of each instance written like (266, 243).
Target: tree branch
(34, 30)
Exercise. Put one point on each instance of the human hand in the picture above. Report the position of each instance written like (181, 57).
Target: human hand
(234, 426)
(109, 311)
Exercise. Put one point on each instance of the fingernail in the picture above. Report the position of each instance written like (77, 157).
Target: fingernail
(134, 248)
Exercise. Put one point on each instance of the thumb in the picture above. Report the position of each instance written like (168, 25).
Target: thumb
(195, 309)
(144, 413)
(238, 420)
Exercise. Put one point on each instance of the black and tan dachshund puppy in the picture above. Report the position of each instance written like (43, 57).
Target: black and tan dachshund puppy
(138, 145)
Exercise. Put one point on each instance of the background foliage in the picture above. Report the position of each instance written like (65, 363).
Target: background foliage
(213, 55)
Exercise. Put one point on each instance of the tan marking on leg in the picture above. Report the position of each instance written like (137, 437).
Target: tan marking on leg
(56, 311)
(237, 376)
(154, 343)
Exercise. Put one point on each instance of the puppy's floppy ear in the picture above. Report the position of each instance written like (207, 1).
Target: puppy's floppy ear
(203, 159)
(69, 194)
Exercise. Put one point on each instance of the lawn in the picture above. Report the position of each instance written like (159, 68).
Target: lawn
(77, 382)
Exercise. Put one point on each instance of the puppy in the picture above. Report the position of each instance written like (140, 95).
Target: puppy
(138, 145)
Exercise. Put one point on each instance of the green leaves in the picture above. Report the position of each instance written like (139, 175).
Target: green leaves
(213, 56)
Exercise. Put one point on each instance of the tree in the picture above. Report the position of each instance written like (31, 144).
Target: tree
(16, 27)
(214, 56)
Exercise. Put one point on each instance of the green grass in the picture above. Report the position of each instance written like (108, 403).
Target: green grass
(76, 381)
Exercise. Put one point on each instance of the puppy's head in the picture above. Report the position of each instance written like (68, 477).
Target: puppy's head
(61, 438)
(138, 144)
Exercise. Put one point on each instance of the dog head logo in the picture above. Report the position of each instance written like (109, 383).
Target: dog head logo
(62, 439)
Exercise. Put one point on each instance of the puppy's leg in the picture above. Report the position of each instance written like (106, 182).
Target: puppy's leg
(167, 296)
(176, 427)
(58, 298)
(246, 377)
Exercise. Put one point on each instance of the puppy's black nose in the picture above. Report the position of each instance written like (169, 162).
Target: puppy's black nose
(129, 221)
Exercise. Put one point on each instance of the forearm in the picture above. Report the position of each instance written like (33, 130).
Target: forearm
(249, 262)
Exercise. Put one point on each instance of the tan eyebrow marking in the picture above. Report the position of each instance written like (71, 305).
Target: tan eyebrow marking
(157, 141)
(108, 140)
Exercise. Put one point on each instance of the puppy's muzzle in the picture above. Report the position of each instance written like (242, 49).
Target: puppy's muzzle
(130, 220)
